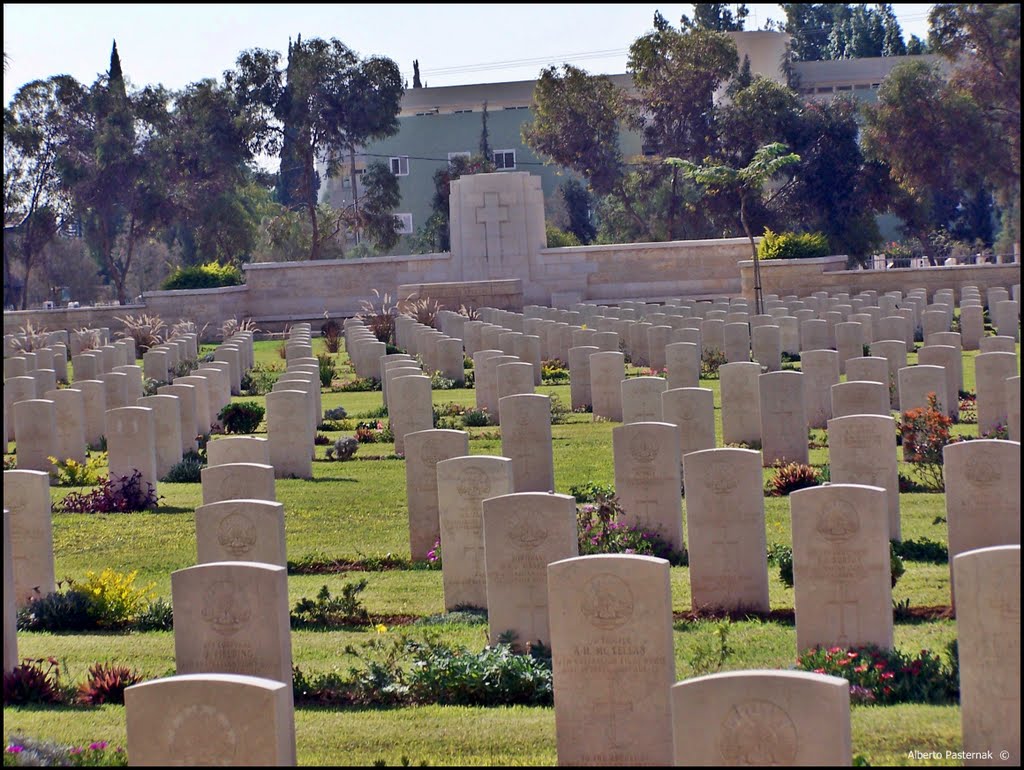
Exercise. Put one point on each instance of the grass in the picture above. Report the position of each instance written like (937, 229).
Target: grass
(356, 511)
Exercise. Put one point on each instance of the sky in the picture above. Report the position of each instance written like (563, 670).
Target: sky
(178, 44)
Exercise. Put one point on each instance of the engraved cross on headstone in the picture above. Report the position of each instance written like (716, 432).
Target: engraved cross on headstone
(846, 609)
(491, 215)
(611, 712)
(474, 556)
(535, 604)
(726, 545)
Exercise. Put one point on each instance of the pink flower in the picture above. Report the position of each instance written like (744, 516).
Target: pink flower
(98, 745)
(15, 749)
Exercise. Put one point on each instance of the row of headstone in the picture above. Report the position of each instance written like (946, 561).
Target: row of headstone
(293, 408)
(617, 701)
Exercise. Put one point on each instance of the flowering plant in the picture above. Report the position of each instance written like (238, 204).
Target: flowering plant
(924, 432)
(884, 676)
(600, 530)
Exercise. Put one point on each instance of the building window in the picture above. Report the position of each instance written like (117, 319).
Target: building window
(404, 223)
(504, 160)
(460, 112)
(461, 154)
(400, 165)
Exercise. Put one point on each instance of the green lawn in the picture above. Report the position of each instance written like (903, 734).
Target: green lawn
(357, 510)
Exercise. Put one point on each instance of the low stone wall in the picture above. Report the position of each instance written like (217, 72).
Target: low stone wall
(806, 276)
(504, 294)
(307, 290)
(652, 270)
(205, 307)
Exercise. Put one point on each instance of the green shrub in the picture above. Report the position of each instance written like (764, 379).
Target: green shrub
(114, 599)
(791, 477)
(328, 369)
(331, 612)
(61, 610)
(158, 616)
(206, 276)
(71, 473)
(589, 491)
(557, 238)
(189, 470)
(241, 417)
(792, 245)
(259, 380)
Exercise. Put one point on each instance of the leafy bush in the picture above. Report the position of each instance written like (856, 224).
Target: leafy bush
(589, 491)
(114, 495)
(106, 683)
(477, 418)
(206, 276)
(337, 413)
(885, 676)
(158, 616)
(792, 245)
(360, 385)
(30, 682)
(439, 382)
(782, 557)
(711, 360)
(71, 473)
(114, 599)
(374, 433)
(559, 411)
(241, 417)
(557, 238)
(66, 609)
(554, 372)
(189, 470)
(925, 549)
(343, 449)
(321, 439)
(791, 477)
(599, 530)
(924, 432)
(259, 380)
(331, 612)
(328, 369)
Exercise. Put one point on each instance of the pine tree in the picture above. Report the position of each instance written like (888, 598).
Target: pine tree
(116, 76)
(416, 83)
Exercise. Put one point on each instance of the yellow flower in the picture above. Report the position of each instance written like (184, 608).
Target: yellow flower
(381, 628)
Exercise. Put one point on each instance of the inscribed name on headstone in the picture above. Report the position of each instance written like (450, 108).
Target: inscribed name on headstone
(423, 451)
(27, 500)
(982, 479)
(647, 477)
(988, 646)
(462, 484)
(783, 418)
(613, 660)
(523, 533)
(725, 530)
(841, 578)
(526, 440)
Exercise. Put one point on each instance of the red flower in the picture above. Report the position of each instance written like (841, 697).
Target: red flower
(880, 666)
(851, 654)
(819, 671)
(842, 661)
(888, 675)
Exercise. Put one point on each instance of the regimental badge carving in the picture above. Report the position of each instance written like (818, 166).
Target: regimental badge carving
(236, 534)
(201, 736)
(473, 483)
(225, 608)
(607, 602)
(722, 478)
(430, 454)
(643, 448)
(526, 531)
(981, 467)
(838, 522)
(757, 732)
